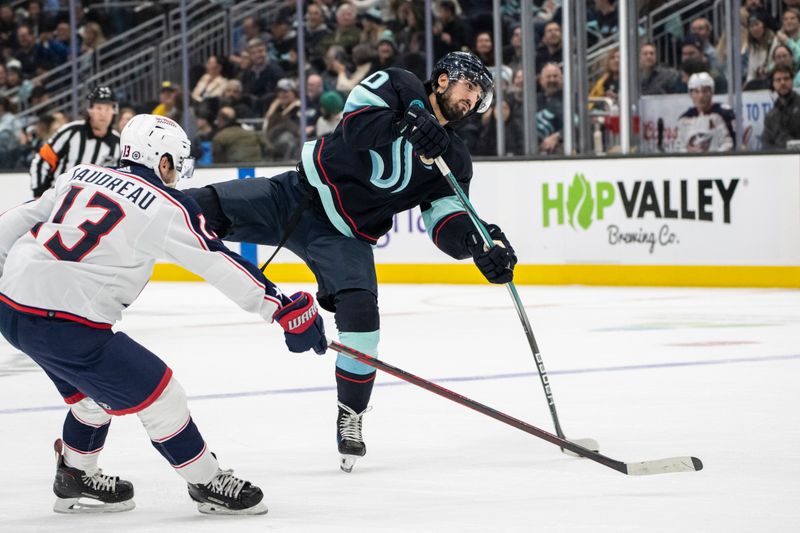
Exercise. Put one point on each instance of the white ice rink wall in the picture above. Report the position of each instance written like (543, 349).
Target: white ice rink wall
(678, 221)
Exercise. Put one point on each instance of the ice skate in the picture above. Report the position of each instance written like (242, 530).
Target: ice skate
(349, 438)
(80, 492)
(227, 494)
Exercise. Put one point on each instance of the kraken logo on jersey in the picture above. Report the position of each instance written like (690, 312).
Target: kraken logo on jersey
(399, 147)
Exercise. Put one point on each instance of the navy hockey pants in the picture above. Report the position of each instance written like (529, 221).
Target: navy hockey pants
(115, 371)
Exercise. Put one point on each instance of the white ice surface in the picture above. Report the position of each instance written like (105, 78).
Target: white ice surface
(649, 373)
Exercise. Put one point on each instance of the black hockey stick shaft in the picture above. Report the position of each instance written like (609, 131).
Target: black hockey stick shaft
(523, 316)
(682, 464)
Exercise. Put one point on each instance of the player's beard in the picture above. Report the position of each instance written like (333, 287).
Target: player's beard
(451, 109)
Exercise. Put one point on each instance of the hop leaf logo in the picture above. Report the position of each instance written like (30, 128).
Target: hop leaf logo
(580, 203)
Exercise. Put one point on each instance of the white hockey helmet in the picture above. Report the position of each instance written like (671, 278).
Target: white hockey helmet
(146, 138)
(701, 79)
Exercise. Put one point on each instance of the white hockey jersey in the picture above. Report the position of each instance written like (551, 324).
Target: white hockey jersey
(708, 132)
(86, 249)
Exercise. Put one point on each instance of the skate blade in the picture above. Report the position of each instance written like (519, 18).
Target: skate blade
(347, 462)
(589, 444)
(214, 509)
(82, 506)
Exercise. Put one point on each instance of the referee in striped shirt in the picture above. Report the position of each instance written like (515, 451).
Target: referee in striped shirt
(91, 140)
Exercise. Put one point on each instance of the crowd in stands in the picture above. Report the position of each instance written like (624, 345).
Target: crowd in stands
(246, 106)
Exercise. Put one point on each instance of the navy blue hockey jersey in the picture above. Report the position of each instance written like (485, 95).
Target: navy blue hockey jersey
(365, 172)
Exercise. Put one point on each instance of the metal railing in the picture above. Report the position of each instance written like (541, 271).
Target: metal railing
(151, 52)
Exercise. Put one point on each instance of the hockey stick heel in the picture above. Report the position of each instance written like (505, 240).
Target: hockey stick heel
(589, 444)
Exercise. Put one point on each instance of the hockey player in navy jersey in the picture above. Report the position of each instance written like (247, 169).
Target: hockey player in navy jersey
(341, 200)
(71, 261)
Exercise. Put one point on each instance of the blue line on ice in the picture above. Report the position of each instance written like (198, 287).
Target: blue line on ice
(595, 370)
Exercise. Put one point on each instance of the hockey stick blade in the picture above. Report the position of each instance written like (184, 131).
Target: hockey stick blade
(660, 466)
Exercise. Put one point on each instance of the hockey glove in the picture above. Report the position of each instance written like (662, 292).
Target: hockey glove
(497, 263)
(424, 132)
(303, 327)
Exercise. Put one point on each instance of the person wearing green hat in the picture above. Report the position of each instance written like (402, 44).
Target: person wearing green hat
(331, 104)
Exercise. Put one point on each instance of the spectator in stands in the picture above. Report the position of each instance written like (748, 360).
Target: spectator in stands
(701, 28)
(781, 55)
(169, 101)
(314, 90)
(260, 79)
(283, 43)
(655, 78)
(282, 124)
(335, 61)
(371, 26)
(550, 49)
(61, 40)
(692, 49)
(608, 84)
(484, 48)
(409, 26)
(789, 34)
(331, 105)
(33, 57)
(755, 52)
(706, 126)
(202, 141)
(212, 83)
(34, 17)
(125, 114)
(602, 22)
(233, 143)
(346, 34)
(451, 32)
(93, 37)
(782, 123)
(251, 29)
(756, 7)
(316, 29)
(387, 52)
(550, 109)
(10, 134)
(233, 96)
(363, 57)
(8, 27)
(512, 53)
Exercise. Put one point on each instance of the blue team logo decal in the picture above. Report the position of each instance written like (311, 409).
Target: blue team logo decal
(400, 149)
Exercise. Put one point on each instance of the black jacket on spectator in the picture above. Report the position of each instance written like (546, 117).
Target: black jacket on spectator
(662, 80)
(460, 35)
(261, 83)
(782, 123)
(35, 58)
(543, 57)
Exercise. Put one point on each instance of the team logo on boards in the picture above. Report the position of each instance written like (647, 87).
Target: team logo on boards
(582, 203)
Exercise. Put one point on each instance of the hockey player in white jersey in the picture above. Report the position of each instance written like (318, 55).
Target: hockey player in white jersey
(71, 261)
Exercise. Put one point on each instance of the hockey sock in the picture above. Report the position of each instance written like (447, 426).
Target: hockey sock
(354, 380)
(84, 435)
(176, 437)
(354, 390)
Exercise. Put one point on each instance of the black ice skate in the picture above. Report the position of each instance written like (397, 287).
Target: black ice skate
(349, 438)
(227, 494)
(78, 492)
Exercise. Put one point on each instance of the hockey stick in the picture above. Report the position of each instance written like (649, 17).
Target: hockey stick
(658, 466)
(523, 316)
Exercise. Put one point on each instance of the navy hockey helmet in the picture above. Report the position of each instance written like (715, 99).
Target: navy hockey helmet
(102, 94)
(464, 65)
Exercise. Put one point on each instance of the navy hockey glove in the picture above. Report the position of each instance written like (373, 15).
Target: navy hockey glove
(423, 131)
(303, 327)
(496, 264)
